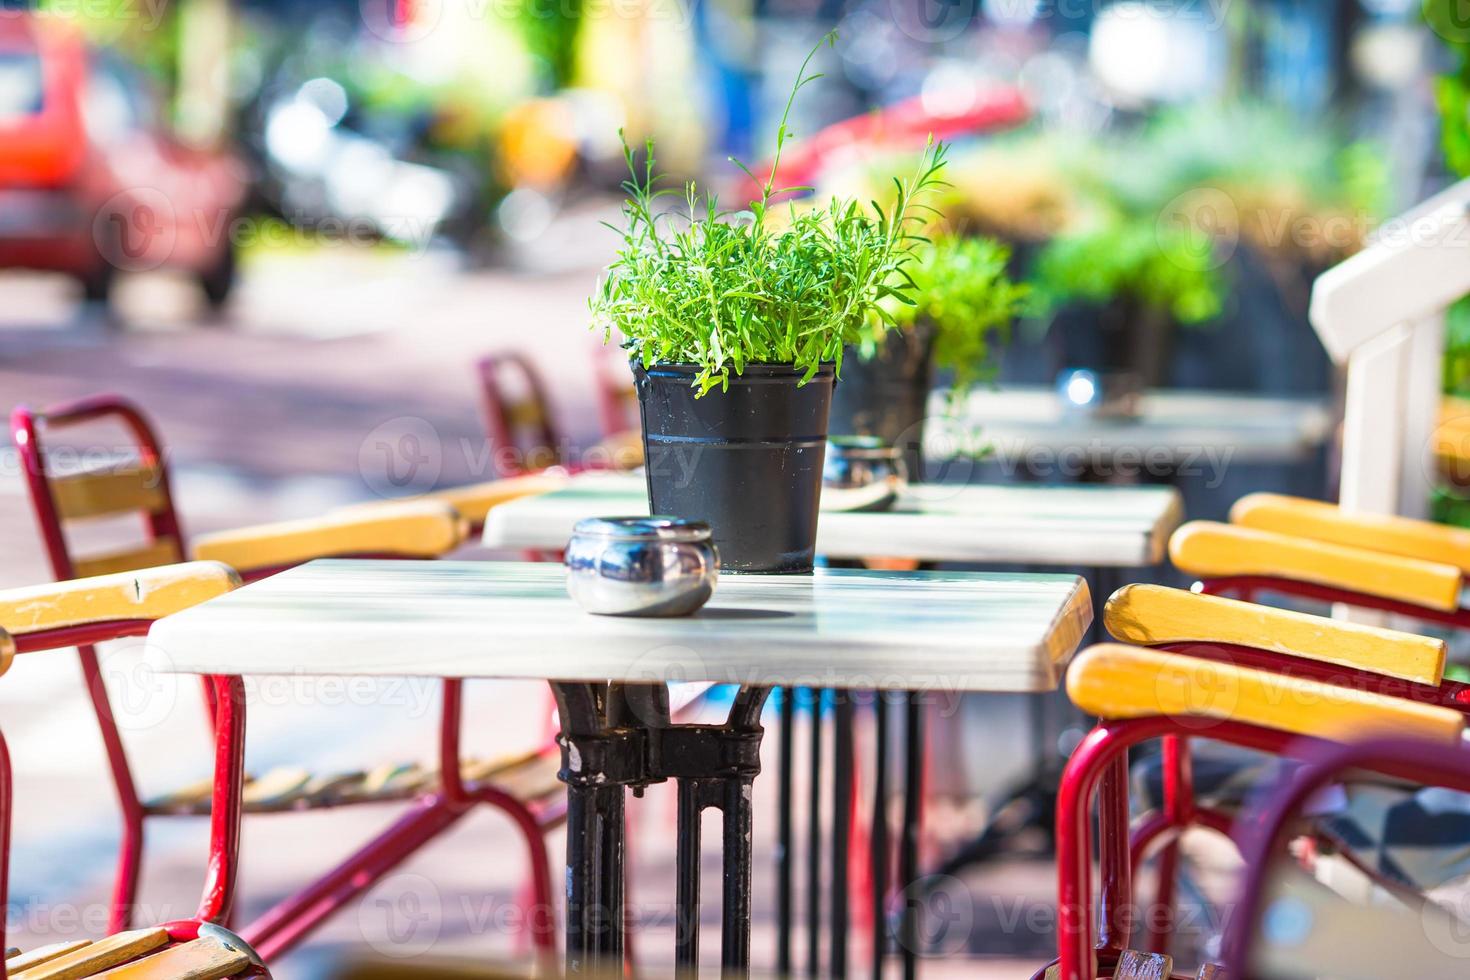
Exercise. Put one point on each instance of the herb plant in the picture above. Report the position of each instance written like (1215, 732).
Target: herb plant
(1120, 257)
(721, 289)
(965, 294)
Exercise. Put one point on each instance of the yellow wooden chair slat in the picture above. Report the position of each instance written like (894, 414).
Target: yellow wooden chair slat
(94, 958)
(1115, 681)
(417, 529)
(1133, 965)
(42, 954)
(163, 551)
(117, 488)
(275, 787)
(147, 593)
(1321, 521)
(7, 652)
(530, 779)
(1212, 550)
(206, 958)
(1150, 615)
(475, 501)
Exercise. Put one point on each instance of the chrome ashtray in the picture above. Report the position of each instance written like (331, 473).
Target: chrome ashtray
(862, 473)
(641, 566)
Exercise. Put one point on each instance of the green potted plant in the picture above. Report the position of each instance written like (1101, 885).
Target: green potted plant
(1114, 290)
(736, 324)
(964, 300)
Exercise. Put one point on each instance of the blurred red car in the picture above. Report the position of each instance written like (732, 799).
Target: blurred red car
(91, 183)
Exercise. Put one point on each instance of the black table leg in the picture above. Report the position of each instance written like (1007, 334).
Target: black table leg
(594, 887)
(908, 857)
(814, 844)
(616, 737)
(735, 915)
(686, 893)
(784, 854)
(878, 844)
(842, 721)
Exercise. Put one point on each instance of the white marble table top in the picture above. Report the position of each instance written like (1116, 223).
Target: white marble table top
(1125, 527)
(941, 632)
(1178, 425)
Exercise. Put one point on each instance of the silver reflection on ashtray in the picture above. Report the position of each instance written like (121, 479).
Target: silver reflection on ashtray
(641, 566)
(861, 473)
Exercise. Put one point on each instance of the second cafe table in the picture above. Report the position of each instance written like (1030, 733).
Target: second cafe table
(1105, 526)
(844, 629)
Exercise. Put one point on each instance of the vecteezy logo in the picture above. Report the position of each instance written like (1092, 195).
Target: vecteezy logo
(1450, 19)
(932, 21)
(401, 916)
(401, 454)
(401, 21)
(945, 914)
(135, 230)
(1200, 229)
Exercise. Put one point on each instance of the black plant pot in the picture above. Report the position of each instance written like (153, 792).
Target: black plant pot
(748, 461)
(888, 396)
(1114, 338)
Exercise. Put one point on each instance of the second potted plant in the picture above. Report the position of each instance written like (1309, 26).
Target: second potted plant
(962, 302)
(736, 323)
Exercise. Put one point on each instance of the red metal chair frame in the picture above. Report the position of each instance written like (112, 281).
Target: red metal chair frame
(1425, 763)
(227, 796)
(500, 415)
(1180, 811)
(293, 919)
(1099, 767)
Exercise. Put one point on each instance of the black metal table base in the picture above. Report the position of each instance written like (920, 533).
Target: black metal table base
(880, 843)
(617, 737)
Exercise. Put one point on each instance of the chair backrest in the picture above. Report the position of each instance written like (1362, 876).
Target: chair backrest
(518, 422)
(109, 607)
(69, 489)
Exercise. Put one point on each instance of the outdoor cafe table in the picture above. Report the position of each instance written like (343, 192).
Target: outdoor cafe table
(1054, 527)
(1090, 526)
(909, 631)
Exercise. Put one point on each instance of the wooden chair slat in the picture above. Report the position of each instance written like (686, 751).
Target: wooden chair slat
(94, 958)
(1149, 615)
(1115, 681)
(1323, 521)
(163, 551)
(1213, 550)
(1133, 965)
(415, 529)
(147, 593)
(473, 502)
(532, 779)
(41, 954)
(275, 787)
(206, 958)
(118, 488)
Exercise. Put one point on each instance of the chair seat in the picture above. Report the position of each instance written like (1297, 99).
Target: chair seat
(140, 954)
(529, 778)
